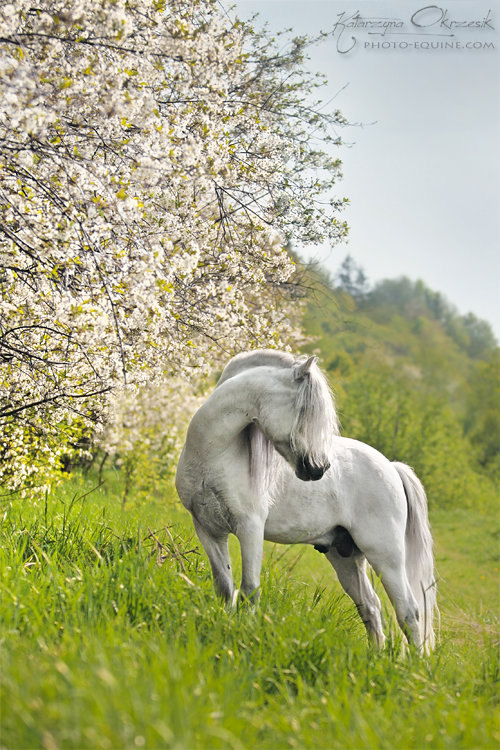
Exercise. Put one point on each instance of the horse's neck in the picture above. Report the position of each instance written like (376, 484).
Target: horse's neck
(258, 358)
(224, 415)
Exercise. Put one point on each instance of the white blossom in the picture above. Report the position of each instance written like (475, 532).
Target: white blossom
(155, 156)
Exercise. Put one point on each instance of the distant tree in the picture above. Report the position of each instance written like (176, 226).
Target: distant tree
(438, 306)
(391, 293)
(481, 338)
(483, 413)
(351, 278)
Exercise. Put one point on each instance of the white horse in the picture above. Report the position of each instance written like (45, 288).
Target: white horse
(267, 429)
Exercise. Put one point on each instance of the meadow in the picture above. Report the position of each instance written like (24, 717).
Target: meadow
(112, 637)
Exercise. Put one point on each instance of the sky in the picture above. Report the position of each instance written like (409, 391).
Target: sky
(421, 83)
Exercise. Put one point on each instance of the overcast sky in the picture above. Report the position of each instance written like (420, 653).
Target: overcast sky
(423, 173)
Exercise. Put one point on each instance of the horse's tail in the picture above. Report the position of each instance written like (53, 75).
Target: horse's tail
(419, 556)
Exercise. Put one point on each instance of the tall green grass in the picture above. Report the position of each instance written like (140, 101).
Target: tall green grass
(112, 637)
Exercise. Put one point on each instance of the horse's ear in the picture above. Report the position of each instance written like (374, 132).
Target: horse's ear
(300, 371)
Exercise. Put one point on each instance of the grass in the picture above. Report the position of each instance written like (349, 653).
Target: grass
(112, 638)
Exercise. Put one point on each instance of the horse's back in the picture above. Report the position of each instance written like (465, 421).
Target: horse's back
(363, 470)
(354, 453)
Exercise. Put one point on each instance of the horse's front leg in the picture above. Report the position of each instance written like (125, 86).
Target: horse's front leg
(250, 533)
(218, 554)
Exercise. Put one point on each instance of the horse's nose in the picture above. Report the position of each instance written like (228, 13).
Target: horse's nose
(308, 471)
(317, 472)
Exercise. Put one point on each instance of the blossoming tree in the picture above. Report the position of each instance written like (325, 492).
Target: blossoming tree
(155, 156)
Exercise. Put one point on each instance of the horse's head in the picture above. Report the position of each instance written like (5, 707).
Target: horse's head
(300, 420)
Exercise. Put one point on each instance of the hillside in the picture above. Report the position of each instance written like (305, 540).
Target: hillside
(412, 377)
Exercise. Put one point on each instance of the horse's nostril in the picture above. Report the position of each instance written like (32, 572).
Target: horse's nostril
(317, 473)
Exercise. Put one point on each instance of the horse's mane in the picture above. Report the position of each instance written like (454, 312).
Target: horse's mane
(316, 421)
(265, 462)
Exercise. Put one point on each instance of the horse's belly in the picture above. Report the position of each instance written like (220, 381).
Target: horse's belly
(307, 516)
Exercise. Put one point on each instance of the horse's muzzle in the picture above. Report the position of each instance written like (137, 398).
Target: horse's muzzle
(309, 472)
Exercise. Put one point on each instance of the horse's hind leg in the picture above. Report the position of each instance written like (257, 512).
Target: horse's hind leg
(351, 572)
(218, 554)
(391, 569)
(398, 588)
